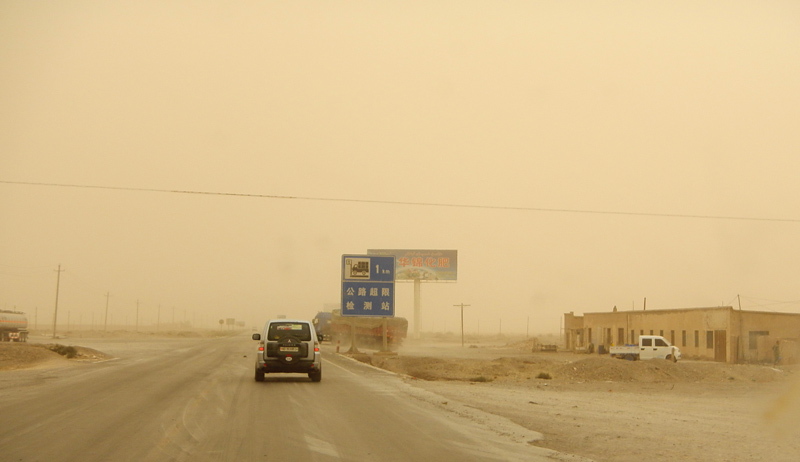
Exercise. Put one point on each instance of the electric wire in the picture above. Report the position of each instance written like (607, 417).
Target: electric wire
(410, 203)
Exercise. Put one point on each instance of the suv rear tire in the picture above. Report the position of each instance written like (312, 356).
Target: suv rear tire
(315, 376)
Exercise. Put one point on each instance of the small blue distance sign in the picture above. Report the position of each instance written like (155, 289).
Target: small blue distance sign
(368, 285)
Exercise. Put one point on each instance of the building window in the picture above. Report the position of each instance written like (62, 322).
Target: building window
(651, 331)
(672, 337)
(754, 335)
(608, 338)
(661, 332)
(697, 339)
(620, 336)
(683, 338)
(710, 339)
(633, 336)
(590, 335)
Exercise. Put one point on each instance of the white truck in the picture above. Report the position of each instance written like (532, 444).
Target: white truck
(649, 347)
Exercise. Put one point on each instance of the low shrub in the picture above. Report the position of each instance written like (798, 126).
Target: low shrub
(68, 351)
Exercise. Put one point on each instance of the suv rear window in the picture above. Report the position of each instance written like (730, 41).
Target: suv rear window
(279, 330)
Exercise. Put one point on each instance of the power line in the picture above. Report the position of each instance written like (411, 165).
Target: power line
(422, 204)
(766, 302)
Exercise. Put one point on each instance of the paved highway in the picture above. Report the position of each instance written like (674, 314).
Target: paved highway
(196, 400)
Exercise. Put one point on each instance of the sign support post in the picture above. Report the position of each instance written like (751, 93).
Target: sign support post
(353, 347)
(385, 348)
(421, 265)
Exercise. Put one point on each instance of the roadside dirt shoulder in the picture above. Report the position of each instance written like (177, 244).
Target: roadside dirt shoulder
(614, 410)
(16, 356)
(43, 352)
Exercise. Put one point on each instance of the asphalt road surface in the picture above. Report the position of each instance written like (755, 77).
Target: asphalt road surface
(196, 400)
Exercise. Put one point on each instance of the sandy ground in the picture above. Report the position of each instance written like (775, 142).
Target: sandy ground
(42, 351)
(609, 409)
(15, 356)
(589, 405)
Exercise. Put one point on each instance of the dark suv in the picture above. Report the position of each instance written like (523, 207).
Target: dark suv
(288, 346)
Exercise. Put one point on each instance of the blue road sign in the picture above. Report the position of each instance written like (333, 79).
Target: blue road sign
(367, 285)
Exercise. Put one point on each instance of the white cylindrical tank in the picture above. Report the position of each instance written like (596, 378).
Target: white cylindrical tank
(12, 322)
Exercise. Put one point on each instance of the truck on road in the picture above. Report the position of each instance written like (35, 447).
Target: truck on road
(368, 330)
(649, 347)
(322, 324)
(13, 326)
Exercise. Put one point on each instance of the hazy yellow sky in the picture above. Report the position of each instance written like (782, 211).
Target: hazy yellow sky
(659, 110)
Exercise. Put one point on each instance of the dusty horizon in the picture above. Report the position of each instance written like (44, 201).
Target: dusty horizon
(219, 159)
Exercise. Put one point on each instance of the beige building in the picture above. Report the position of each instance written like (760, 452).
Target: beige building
(718, 333)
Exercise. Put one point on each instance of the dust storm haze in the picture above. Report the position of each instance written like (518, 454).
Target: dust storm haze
(209, 160)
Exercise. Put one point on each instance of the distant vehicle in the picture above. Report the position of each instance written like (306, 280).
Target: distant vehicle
(368, 330)
(13, 326)
(649, 347)
(322, 324)
(288, 346)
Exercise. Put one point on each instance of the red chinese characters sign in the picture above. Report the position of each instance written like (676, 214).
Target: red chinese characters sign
(427, 265)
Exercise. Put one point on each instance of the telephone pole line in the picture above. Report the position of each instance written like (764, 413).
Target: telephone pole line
(55, 312)
(105, 327)
(462, 323)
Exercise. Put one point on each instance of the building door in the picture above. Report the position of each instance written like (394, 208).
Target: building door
(720, 343)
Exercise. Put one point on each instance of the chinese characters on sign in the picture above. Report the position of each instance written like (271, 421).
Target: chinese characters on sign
(367, 285)
(424, 265)
(430, 262)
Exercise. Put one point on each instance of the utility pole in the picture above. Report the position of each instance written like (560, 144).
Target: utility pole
(462, 323)
(740, 351)
(105, 327)
(417, 308)
(55, 312)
